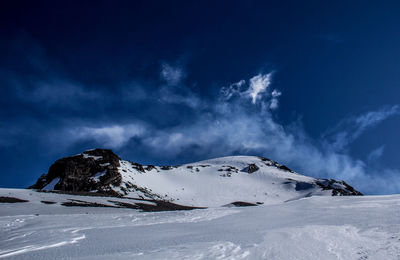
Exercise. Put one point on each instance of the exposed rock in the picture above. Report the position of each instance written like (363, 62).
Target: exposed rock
(98, 172)
(48, 202)
(252, 168)
(165, 168)
(228, 168)
(270, 162)
(285, 168)
(242, 204)
(11, 200)
(159, 206)
(139, 167)
(339, 188)
(81, 203)
(78, 173)
(150, 167)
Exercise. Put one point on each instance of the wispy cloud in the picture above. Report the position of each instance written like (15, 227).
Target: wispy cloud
(274, 100)
(56, 92)
(257, 90)
(376, 154)
(185, 96)
(241, 120)
(234, 89)
(352, 128)
(113, 136)
(258, 85)
(172, 75)
(231, 127)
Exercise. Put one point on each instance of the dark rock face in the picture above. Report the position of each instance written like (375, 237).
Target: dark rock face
(93, 170)
(270, 162)
(242, 204)
(11, 200)
(339, 188)
(285, 168)
(252, 168)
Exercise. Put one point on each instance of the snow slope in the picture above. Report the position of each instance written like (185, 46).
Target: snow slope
(319, 227)
(219, 182)
(209, 183)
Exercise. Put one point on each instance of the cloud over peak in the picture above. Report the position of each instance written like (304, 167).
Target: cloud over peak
(165, 120)
(113, 136)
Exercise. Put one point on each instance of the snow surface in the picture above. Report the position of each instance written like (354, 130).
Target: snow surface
(97, 176)
(92, 156)
(318, 227)
(217, 182)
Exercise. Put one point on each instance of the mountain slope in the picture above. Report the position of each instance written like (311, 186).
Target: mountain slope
(216, 182)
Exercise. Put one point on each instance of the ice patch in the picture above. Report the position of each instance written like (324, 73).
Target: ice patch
(53, 183)
(92, 156)
(97, 176)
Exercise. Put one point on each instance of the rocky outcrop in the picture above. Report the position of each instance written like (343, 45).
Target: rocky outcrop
(252, 168)
(93, 170)
(270, 162)
(339, 188)
(101, 172)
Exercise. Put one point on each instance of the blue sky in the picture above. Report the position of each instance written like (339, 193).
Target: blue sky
(312, 85)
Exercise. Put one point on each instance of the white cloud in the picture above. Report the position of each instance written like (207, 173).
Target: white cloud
(374, 117)
(55, 92)
(173, 75)
(274, 100)
(113, 136)
(258, 85)
(231, 126)
(352, 128)
(376, 154)
(184, 96)
(234, 89)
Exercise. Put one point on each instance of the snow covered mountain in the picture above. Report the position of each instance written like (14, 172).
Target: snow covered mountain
(234, 180)
(83, 210)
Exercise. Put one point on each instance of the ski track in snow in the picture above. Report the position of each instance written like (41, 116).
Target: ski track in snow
(312, 228)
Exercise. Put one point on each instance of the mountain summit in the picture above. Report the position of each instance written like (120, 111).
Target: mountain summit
(233, 180)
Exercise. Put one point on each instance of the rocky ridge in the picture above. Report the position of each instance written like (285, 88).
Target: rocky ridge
(256, 180)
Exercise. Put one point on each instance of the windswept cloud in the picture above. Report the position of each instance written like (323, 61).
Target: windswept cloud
(235, 89)
(113, 136)
(182, 95)
(257, 90)
(57, 92)
(233, 128)
(258, 85)
(241, 121)
(352, 128)
(274, 100)
(172, 75)
(376, 154)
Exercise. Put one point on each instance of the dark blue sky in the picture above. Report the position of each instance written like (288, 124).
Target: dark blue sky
(314, 85)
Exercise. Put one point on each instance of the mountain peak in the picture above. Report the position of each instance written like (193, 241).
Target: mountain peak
(213, 182)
